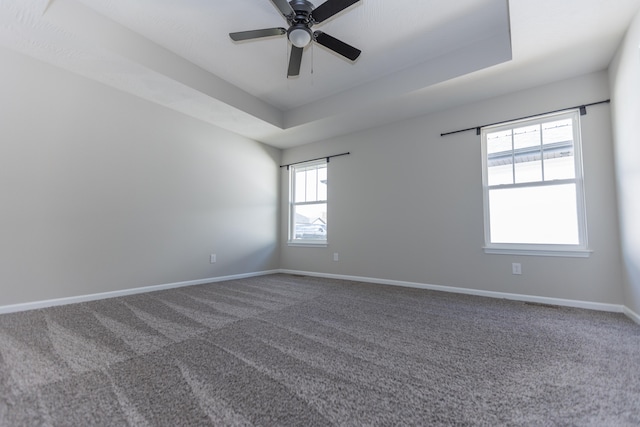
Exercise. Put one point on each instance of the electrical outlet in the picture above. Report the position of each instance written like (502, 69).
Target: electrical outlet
(516, 268)
(335, 256)
(212, 259)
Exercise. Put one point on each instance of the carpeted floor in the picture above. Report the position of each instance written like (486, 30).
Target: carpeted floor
(287, 350)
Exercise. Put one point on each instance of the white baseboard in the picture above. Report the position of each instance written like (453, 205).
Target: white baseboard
(492, 294)
(632, 315)
(103, 295)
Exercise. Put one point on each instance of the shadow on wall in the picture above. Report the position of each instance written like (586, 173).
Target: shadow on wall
(257, 260)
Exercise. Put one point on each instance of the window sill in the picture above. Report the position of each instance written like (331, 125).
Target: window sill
(552, 252)
(309, 244)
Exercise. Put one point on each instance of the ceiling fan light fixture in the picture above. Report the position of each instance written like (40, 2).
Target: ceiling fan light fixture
(299, 36)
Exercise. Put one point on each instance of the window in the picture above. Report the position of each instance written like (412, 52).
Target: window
(308, 200)
(533, 186)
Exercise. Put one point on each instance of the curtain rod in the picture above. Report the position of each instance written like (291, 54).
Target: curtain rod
(583, 111)
(319, 158)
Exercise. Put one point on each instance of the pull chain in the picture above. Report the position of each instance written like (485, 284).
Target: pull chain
(286, 59)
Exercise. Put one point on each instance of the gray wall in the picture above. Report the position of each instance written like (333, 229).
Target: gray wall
(406, 205)
(102, 191)
(625, 88)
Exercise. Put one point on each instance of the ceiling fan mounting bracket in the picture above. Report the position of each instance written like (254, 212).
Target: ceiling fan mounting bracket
(302, 12)
(301, 6)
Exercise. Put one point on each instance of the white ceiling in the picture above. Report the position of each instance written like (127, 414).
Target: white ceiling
(418, 56)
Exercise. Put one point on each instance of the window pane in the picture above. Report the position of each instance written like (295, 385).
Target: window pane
(498, 142)
(529, 169)
(300, 186)
(310, 222)
(526, 137)
(558, 131)
(501, 174)
(500, 158)
(526, 144)
(536, 215)
(559, 162)
(312, 185)
(559, 168)
(322, 183)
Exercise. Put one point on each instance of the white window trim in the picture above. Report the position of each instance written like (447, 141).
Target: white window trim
(568, 251)
(580, 250)
(310, 243)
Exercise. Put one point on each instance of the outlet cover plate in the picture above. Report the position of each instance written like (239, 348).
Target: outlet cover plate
(516, 268)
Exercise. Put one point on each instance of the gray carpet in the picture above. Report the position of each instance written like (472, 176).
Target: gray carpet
(287, 350)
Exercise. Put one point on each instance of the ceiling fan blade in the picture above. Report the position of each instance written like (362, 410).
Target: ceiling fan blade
(329, 8)
(336, 45)
(295, 61)
(256, 34)
(284, 7)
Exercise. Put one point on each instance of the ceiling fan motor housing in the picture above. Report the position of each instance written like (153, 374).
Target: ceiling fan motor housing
(299, 32)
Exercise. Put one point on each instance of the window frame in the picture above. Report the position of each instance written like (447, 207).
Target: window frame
(565, 250)
(292, 240)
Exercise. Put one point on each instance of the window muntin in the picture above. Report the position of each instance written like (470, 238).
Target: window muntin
(308, 203)
(533, 186)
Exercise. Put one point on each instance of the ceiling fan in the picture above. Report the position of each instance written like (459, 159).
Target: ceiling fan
(301, 15)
